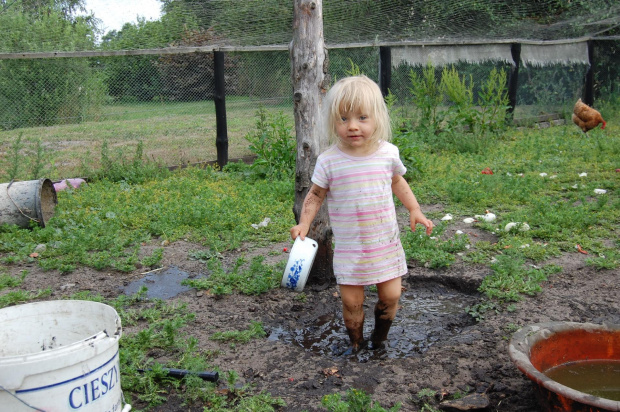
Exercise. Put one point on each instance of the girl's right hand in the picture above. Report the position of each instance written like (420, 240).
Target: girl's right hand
(300, 230)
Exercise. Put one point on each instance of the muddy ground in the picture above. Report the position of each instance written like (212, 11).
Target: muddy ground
(434, 344)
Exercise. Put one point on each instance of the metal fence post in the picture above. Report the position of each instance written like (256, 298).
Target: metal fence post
(385, 69)
(588, 97)
(221, 139)
(513, 80)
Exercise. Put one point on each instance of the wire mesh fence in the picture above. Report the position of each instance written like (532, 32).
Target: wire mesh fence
(165, 101)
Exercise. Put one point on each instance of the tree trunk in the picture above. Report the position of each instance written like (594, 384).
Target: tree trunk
(309, 70)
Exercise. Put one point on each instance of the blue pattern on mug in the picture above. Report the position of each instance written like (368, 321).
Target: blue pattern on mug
(293, 276)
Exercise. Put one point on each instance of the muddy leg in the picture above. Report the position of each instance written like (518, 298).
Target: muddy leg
(385, 311)
(353, 314)
(382, 327)
(356, 336)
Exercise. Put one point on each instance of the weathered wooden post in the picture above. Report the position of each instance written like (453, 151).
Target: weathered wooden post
(309, 70)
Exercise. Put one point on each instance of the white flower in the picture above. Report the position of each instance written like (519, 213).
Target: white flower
(447, 217)
(459, 232)
(584, 174)
(600, 191)
(543, 174)
(469, 220)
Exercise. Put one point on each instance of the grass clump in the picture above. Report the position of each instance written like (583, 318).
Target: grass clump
(355, 400)
(255, 279)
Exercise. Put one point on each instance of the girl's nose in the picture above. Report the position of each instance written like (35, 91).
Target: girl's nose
(352, 125)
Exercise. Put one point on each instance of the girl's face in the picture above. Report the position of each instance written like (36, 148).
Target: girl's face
(355, 129)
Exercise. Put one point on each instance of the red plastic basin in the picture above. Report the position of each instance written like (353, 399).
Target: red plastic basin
(539, 347)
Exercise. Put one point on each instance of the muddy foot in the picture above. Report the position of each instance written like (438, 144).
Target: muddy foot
(350, 350)
(376, 345)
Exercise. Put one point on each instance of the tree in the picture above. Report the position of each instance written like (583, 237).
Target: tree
(46, 91)
(309, 70)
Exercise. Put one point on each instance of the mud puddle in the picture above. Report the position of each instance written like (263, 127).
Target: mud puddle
(161, 284)
(430, 312)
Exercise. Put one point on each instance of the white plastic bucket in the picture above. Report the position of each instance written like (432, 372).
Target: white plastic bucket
(60, 356)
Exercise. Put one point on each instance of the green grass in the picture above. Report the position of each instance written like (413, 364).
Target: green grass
(103, 226)
(172, 133)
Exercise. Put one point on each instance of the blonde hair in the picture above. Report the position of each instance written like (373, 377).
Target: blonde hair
(357, 93)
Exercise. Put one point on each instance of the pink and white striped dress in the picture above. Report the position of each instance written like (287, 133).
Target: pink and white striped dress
(362, 214)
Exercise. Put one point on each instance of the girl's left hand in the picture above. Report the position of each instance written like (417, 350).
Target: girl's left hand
(418, 217)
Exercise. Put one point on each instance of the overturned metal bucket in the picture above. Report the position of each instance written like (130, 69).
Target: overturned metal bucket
(24, 202)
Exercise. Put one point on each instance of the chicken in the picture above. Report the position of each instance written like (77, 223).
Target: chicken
(586, 117)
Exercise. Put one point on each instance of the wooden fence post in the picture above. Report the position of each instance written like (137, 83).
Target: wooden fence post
(309, 71)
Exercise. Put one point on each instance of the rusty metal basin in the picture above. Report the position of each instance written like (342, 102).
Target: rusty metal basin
(539, 347)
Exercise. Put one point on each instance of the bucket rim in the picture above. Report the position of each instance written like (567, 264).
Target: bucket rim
(526, 337)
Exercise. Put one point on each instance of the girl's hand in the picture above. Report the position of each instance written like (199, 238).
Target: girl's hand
(418, 217)
(300, 230)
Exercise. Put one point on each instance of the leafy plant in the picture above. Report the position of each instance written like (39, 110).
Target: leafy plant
(427, 95)
(355, 400)
(273, 144)
(257, 278)
(255, 331)
(154, 259)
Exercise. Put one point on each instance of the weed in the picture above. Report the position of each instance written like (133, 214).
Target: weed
(154, 259)
(17, 297)
(302, 297)
(274, 146)
(479, 310)
(256, 279)
(203, 255)
(115, 167)
(433, 252)
(355, 400)
(255, 331)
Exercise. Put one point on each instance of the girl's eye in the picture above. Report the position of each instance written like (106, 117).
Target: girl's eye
(363, 117)
(343, 119)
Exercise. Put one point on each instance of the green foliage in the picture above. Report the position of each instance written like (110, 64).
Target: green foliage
(274, 146)
(256, 279)
(17, 297)
(244, 336)
(452, 117)
(154, 259)
(115, 166)
(427, 96)
(511, 279)
(433, 252)
(355, 400)
(103, 224)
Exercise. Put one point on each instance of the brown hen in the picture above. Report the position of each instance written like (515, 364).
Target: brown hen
(586, 117)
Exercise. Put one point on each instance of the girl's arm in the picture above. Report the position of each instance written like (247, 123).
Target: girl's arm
(312, 204)
(403, 192)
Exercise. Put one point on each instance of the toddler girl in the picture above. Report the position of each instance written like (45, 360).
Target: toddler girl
(358, 176)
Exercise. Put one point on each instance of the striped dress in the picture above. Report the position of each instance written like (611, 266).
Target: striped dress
(362, 214)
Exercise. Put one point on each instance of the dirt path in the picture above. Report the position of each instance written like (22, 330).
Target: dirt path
(448, 354)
